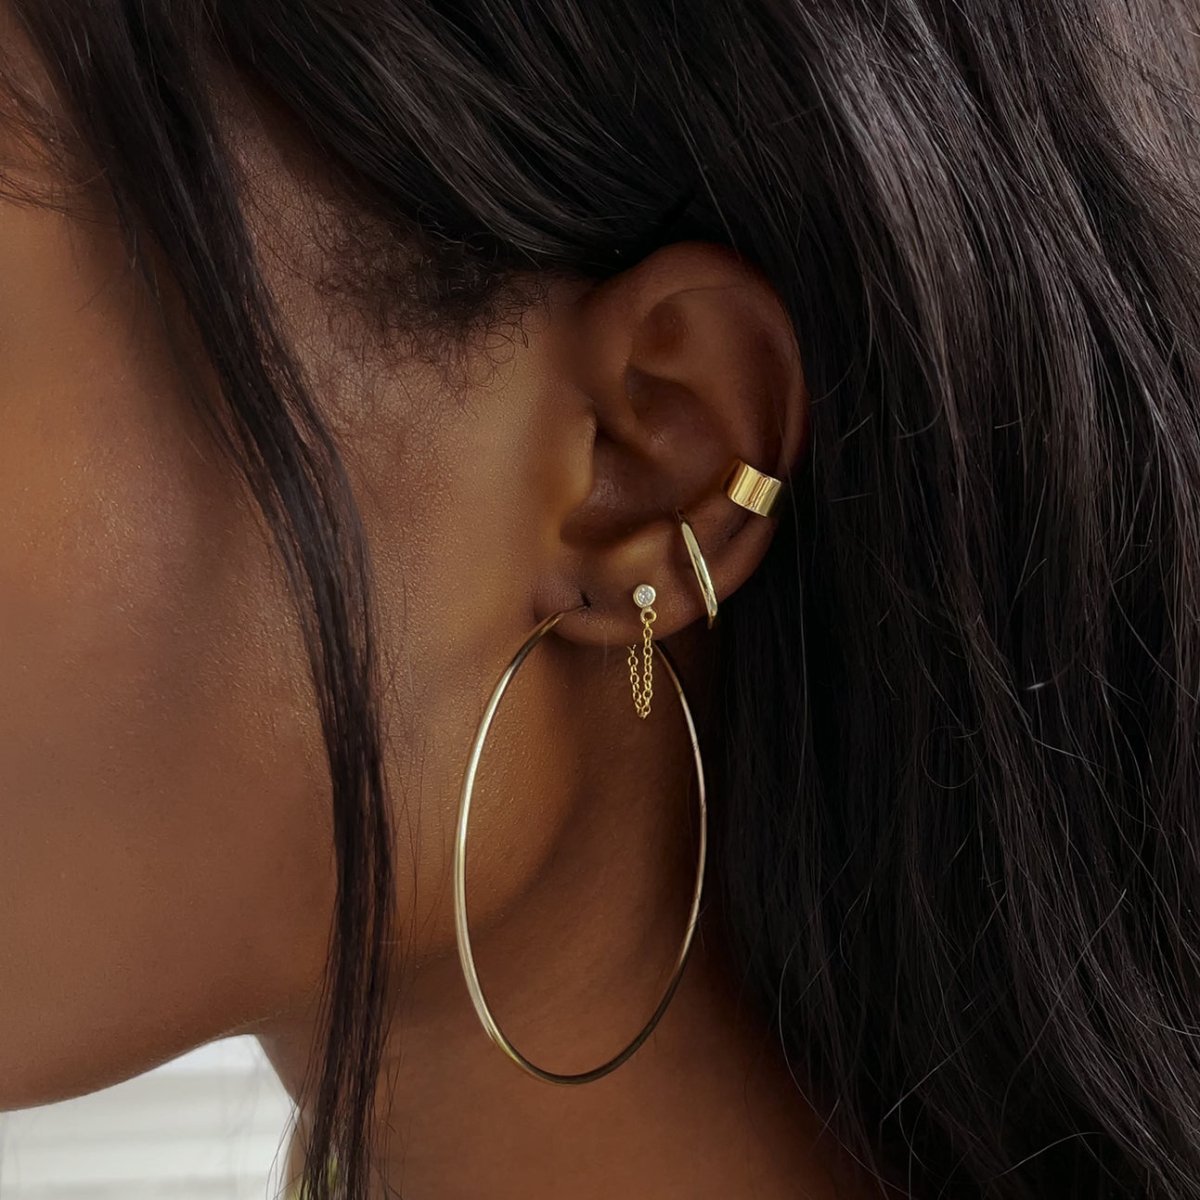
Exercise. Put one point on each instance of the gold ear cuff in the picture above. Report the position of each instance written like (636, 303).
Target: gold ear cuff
(752, 489)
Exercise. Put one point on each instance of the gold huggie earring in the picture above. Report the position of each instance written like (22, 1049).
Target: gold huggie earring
(643, 688)
(700, 567)
(752, 489)
(466, 958)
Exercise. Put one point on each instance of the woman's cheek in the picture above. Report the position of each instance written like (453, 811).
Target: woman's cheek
(164, 872)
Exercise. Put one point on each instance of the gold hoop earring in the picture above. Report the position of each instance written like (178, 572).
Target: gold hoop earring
(703, 578)
(463, 937)
(752, 489)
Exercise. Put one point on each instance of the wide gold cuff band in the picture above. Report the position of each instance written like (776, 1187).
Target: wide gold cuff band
(753, 489)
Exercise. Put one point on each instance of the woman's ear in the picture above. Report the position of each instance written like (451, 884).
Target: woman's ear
(689, 362)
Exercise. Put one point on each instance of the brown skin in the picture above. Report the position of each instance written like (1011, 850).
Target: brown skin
(165, 860)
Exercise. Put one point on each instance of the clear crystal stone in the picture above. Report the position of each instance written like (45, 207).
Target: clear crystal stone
(643, 595)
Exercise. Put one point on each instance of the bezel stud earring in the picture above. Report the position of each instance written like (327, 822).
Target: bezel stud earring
(641, 676)
(754, 490)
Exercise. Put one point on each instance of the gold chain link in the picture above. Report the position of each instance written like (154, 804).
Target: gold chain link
(643, 688)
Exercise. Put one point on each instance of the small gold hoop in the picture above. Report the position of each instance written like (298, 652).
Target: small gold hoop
(467, 959)
(700, 567)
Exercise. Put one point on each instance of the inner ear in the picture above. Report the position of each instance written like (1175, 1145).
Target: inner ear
(665, 454)
(689, 361)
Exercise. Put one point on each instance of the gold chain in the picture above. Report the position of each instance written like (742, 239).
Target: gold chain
(643, 688)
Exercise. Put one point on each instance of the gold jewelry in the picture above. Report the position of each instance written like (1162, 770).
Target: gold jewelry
(643, 689)
(466, 958)
(700, 567)
(752, 489)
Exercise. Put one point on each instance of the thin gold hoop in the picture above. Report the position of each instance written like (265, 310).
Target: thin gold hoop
(463, 937)
(703, 578)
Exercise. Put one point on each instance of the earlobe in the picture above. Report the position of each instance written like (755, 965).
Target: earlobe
(690, 366)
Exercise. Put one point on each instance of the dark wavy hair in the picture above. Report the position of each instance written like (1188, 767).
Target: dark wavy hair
(956, 833)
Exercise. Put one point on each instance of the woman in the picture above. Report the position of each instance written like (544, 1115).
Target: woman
(399, 400)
